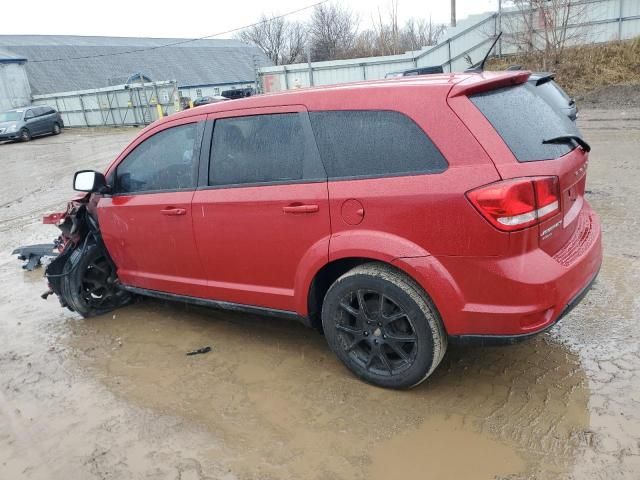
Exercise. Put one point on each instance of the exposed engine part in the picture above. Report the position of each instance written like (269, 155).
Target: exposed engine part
(81, 274)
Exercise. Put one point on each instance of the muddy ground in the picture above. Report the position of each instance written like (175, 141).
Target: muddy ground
(115, 397)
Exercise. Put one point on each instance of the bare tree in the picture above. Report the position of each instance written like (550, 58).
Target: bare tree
(282, 41)
(387, 33)
(545, 27)
(333, 30)
(366, 44)
(388, 38)
(418, 33)
(332, 33)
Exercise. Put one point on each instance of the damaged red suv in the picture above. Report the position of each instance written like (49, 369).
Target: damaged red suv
(394, 216)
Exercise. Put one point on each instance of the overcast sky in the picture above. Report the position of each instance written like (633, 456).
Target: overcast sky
(197, 18)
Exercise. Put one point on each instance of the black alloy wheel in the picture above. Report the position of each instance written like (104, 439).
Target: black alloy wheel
(383, 326)
(377, 331)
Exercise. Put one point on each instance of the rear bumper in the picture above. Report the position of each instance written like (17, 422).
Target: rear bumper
(512, 339)
(511, 298)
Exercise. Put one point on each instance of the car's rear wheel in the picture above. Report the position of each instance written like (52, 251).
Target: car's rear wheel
(56, 129)
(25, 135)
(90, 285)
(383, 326)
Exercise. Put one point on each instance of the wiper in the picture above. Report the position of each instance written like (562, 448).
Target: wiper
(567, 138)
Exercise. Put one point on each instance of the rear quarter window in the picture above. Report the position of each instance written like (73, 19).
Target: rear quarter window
(524, 120)
(373, 143)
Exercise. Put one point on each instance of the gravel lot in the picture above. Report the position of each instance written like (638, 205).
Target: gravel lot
(115, 397)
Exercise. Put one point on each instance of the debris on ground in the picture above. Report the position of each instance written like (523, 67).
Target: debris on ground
(33, 254)
(200, 351)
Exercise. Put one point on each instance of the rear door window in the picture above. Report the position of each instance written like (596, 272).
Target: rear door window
(373, 143)
(524, 120)
(259, 149)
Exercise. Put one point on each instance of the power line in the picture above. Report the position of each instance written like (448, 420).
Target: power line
(181, 42)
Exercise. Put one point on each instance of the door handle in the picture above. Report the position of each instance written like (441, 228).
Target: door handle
(300, 208)
(173, 211)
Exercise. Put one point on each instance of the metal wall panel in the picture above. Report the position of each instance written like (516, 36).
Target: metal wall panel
(605, 20)
(133, 104)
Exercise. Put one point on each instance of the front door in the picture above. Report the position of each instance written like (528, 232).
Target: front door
(263, 212)
(147, 222)
(31, 120)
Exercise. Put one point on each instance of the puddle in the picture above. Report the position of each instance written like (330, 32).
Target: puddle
(278, 399)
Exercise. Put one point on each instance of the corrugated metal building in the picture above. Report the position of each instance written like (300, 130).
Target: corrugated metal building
(66, 63)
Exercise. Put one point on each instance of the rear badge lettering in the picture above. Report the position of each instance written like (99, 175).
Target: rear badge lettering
(546, 233)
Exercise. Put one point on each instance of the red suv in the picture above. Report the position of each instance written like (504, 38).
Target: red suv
(395, 216)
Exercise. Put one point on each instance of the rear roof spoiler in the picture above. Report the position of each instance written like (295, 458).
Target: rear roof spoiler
(544, 78)
(488, 81)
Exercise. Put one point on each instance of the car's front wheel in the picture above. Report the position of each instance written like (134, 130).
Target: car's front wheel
(383, 326)
(56, 129)
(25, 135)
(90, 285)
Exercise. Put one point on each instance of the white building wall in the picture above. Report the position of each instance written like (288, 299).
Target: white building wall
(14, 86)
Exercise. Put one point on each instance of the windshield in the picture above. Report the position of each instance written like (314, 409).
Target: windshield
(525, 120)
(10, 116)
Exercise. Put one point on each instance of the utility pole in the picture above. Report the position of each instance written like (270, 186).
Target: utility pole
(499, 28)
(256, 71)
(308, 51)
(453, 13)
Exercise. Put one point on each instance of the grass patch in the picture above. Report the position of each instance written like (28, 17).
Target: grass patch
(586, 69)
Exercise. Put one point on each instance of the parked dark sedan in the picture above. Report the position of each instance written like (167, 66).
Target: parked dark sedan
(207, 100)
(28, 122)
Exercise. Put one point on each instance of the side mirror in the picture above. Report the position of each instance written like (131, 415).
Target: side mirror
(89, 181)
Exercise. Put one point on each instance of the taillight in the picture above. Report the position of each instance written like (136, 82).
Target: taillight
(517, 203)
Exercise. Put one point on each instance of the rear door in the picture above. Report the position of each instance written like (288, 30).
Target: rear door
(524, 121)
(40, 121)
(49, 117)
(262, 210)
(147, 222)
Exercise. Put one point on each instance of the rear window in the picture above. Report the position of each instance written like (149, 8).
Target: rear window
(366, 143)
(524, 120)
(559, 89)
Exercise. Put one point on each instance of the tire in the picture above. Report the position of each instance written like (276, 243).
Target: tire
(91, 287)
(25, 135)
(56, 129)
(399, 348)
